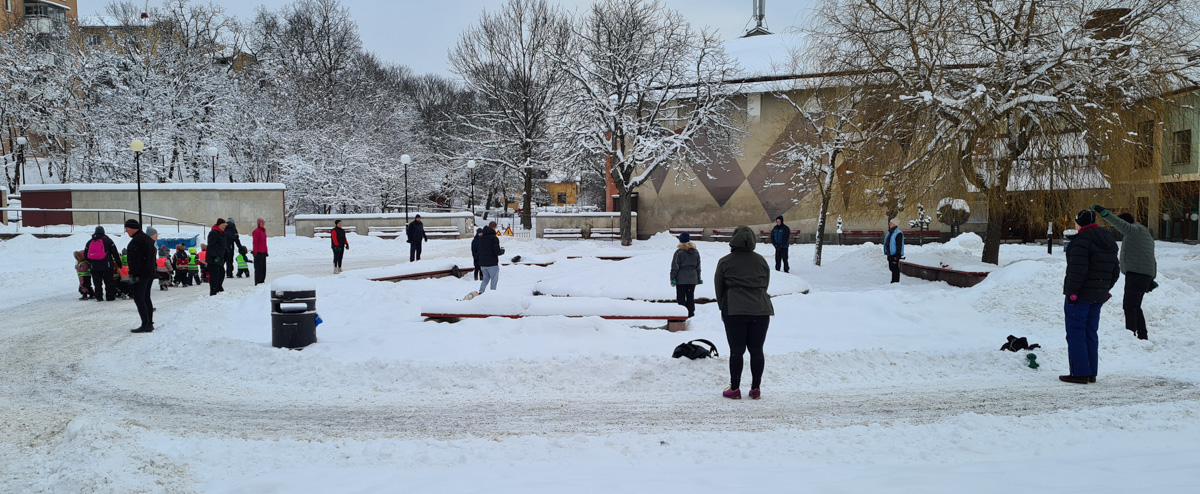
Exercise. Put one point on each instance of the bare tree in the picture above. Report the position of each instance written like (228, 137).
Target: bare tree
(507, 60)
(989, 86)
(652, 94)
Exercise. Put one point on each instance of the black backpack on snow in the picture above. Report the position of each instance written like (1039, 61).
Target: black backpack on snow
(693, 351)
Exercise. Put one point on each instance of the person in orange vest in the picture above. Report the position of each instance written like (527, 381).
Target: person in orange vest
(163, 267)
(203, 264)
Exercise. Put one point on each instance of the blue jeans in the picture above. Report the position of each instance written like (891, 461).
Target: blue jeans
(1083, 321)
(490, 274)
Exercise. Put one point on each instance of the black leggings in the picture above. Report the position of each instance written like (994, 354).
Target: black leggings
(685, 295)
(1136, 285)
(746, 332)
(337, 256)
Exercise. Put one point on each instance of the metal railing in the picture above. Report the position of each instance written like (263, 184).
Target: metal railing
(125, 214)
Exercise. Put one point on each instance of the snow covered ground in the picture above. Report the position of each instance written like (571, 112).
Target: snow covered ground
(869, 387)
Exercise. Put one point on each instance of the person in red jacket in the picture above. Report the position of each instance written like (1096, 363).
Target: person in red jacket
(260, 252)
(337, 240)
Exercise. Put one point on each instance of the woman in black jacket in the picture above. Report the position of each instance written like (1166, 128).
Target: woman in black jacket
(741, 285)
(1092, 270)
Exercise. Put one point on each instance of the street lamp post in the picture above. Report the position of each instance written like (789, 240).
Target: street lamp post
(212, 151)
(405, 159)
(137, 147)
(471, 202)
(21, 142)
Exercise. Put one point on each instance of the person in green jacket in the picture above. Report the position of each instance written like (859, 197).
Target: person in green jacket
(242, 265)
(1137, 264)
(741, 287)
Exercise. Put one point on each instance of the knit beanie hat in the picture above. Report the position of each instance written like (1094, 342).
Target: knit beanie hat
(151, 231)
(99, 230)
(1085, 217)
(132, 223)
(684, 238)
(220, 221)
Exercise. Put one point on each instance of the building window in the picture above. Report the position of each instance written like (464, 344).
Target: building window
(562, 198)
(1146, 135)
(1183, 148)
(93, 40)
(8, 5)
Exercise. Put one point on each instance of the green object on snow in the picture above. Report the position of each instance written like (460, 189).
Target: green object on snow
(1032, 358)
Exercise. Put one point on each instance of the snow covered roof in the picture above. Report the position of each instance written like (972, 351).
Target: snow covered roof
(153, 186)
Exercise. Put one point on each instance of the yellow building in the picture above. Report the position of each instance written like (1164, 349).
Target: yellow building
(39, 16)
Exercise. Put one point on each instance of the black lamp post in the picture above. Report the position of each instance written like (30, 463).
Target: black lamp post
(405, 159)
(137, 147)
(471, 168)
(212, 151)
(21, 142)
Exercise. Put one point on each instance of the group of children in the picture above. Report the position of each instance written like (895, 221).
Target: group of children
(185, 267)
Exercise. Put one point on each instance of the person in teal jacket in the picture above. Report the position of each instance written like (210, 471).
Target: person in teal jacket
(1137, 264)
(893, 248)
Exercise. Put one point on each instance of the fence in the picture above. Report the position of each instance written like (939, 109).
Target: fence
(125, 214)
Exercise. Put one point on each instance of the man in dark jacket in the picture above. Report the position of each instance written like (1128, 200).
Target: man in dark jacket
(489, 257)
(233, 245)
(142, 271)
(104, 265)
(339, 244)
(1137, 264)
(893, 248)
(475, 253)
(741, 284)
(781, 236)
(217, 246)
(1092, 270)
(415, 231)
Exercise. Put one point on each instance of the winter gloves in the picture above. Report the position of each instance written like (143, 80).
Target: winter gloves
(1032, 361)
(1072, 299)
(1099, 210)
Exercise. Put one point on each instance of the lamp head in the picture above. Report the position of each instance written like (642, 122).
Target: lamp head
(211, 151)
(22, 140)
(404, 158)
(137, 146)
(471, 164)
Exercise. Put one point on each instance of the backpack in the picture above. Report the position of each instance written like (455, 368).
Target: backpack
(96, 249)
(693, 351)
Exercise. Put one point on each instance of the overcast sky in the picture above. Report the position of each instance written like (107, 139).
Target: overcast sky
(419, 33)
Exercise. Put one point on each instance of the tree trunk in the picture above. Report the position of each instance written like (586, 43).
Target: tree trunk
(995, 228)
(820, 238)
(527, 202)
(626, 198)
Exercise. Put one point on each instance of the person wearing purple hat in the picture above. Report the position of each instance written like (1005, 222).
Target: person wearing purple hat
(685, 273)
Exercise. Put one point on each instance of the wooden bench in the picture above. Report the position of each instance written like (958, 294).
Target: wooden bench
(563, 233)
(952, 277)
(441, 232)
(521, 307)
(605, 233)
(695, 232)
(876, 236)
(385, 232)
(765, 236)
(327, 231)
(721, 234)
(919, 237)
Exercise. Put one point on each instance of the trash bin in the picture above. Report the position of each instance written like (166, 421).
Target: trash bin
(293, 314)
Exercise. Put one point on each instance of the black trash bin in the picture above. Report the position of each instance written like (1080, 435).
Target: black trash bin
(293, 318)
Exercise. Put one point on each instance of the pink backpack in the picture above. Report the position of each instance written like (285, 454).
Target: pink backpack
(96, 250)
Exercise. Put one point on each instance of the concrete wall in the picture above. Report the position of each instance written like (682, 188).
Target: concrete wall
(197, 203)
(583, 221)
(306, 223)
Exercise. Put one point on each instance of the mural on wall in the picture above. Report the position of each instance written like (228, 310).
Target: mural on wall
(777, 183)
(721, 179)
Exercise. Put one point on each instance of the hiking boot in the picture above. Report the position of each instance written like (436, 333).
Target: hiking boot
(144, 329)
(1141, 335)
(1091, 379)
(733, 394)
(1074, 379)
(755, 394)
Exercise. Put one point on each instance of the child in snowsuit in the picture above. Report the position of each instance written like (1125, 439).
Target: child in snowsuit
(163, 267)
(200, 258)
(242, 265)
(83, 271)
(181, 260)
(685, 273)
(124, 281)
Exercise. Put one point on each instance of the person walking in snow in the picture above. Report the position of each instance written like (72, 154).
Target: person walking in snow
(233, 245)
(104, 260)
(215, 257)
(142, 272)
(475, 253)
(741, 282)
(1137, 264)
(781, 237)
(1092, 270)
(685, 273)
(489, 257)
(893, 248)
(415, 235)
(339, 244)
(259, 249)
